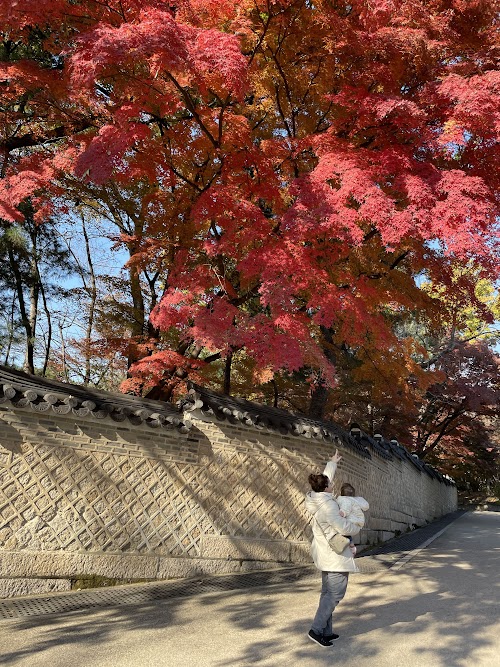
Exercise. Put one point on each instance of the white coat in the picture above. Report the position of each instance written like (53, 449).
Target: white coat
(326, 517)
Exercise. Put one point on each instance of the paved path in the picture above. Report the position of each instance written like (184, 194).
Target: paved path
(441, 609)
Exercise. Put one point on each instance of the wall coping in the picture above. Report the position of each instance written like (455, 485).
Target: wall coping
(42, 395)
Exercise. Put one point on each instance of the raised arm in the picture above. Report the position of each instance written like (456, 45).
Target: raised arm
(331, 466)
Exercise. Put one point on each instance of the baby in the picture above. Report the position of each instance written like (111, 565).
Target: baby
(352, 507)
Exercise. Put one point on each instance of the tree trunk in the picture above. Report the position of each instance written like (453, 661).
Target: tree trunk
(30, 343)
(49, 332)
(276, 393)
(227, 373)
(11, 331)
(138, 312)
(92, 292)
(319, 396)
(63, 353)
(29, 365)
(152, 331)
(317, 405)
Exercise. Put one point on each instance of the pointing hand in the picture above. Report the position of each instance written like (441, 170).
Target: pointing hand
(336, 457)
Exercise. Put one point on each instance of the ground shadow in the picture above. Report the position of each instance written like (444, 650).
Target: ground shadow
(441, 609)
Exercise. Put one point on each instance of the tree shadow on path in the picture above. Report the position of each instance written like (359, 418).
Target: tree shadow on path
(440, 610)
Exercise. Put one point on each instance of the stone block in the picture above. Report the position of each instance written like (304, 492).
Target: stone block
(371, 536)
(396, 526)
(225, 547)
(300, 552)
(377, 523)
(361, 537)
(399, 516)
(175, 568)
(74, 565)
(16, 587)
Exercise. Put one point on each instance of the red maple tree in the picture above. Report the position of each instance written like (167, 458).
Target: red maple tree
(300, 164)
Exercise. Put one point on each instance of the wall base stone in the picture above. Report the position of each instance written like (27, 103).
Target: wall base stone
(370, 537)
(300, 552)
(377, 523)
(176, 568)
(28, 570)
(19, 587)
(76, 565)
(386, 535)
(398, 527)
(221, 546)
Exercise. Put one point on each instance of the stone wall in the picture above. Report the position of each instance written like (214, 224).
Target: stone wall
(81, 498)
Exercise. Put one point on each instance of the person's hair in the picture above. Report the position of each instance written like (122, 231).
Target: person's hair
(318, 482)
(347, 490)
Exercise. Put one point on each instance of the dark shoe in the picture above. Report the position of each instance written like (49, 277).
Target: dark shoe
(319, 639)
(331, 638)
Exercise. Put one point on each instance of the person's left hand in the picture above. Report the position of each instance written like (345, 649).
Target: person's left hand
(336, 457)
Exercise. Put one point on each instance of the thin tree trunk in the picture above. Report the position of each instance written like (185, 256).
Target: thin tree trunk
(49, 330)
(138, 311)
(92, 291)
(11, 332)
(25, 319)
(276, 394)
(34, 294)
(227, 373)
(153, 332)
(63, 353)
(33, 314)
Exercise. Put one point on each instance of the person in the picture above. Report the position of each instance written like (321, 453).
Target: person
(334, 568)
(352, 507)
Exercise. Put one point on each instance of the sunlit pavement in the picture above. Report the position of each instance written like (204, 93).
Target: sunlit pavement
(440, 608)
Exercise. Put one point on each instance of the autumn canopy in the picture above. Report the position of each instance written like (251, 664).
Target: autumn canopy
(313, 182)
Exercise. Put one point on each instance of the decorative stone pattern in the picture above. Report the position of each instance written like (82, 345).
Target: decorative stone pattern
(84, 497)
(74, 498)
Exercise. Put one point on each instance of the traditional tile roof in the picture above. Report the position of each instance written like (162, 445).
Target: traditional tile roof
(43, 395)
(375, 445)
(402, 454)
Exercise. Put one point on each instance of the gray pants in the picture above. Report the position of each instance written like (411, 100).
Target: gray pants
(332, 591)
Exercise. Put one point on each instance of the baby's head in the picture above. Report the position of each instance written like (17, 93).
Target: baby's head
(319, 482)
(347, 490)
